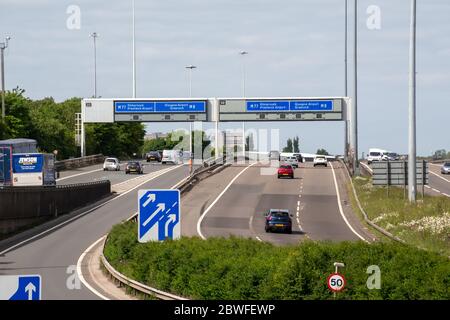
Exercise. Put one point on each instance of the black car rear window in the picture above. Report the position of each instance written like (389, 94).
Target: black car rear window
(285, 167)
(278, 214)
(133, 163)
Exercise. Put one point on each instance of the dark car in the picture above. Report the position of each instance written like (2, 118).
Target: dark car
(154, 156)
(286, 170)
(278, 220)
(134, 167)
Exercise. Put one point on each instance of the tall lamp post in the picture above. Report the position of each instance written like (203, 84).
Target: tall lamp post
(3, 46)
(346, 78)
(134, 50)
(94, 35)
(412, 183)
(243, 54)
(190, 68)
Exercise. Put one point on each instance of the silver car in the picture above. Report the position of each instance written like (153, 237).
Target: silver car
(111, 164)
(445, 169)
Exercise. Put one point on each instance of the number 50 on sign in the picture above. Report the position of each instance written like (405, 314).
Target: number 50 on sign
(336, 282)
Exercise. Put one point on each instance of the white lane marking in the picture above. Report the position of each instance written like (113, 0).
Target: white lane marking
(78, 174)
(80, 273)
(299, 195)
(161, 172)
(445, 194)
(298, 208)
(340, 206)
(80, 259)
(428, 187)
(258, 238)
(298, 203)
(199, 222)
(435, 190)
(438, 176)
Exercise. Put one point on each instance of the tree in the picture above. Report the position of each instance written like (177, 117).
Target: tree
(296, 145)
(440, 154)
(289, 146)
(322, 152)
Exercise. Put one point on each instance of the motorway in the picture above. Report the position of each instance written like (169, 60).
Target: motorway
(438, 184)
(54, 255)
(96, 173)
(234, 201)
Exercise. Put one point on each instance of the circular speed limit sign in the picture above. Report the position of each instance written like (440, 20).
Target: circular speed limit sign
(336, 282)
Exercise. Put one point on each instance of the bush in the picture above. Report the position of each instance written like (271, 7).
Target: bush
(237, 268)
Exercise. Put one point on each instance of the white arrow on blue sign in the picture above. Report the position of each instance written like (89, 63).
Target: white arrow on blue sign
(20, 287)
(159, 215)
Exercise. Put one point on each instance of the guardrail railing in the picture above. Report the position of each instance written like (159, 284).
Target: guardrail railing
(78, 162)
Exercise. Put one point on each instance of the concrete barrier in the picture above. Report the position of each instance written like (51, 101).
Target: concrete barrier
(24, 206)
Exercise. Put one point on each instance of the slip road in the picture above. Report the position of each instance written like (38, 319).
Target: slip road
(226, 309)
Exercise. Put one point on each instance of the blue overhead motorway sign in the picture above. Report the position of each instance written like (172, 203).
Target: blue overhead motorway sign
(20, 287)
(267, 106)
(159, 215)
(159, 106)
(289, 105)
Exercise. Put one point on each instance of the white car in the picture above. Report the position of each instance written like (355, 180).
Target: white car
(320, 161)
(111, 164)
(292, 161)
(172, 156)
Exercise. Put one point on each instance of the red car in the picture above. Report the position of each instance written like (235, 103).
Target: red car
(285, 170)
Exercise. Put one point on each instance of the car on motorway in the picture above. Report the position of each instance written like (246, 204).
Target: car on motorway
(134, 167)
(111, 164)
(172, 156)
(376, 155)
(293, 161)
(153, 156)
(445, 169)
(390, 156)
(278, 220)
(286, 170)
(320, 161)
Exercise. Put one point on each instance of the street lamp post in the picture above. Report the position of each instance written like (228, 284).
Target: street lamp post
(346, 78)
(354, 116)
(134, 51)
(243, 54)
(94, 35)
(190, 68)
(412, 183)
(3, 46)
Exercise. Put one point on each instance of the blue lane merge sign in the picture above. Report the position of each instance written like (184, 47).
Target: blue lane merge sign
(159, 106)
(267, 105)
(181, 106)
(312, 105)
(292, 105)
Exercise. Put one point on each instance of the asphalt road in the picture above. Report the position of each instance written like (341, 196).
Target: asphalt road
(55, 254)
(96, 173)
(311, 198)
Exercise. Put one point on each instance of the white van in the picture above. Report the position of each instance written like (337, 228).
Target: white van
(376, 155)
(172, 156)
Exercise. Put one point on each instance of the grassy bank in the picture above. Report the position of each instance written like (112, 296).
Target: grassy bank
(247, 269)
(425, 224)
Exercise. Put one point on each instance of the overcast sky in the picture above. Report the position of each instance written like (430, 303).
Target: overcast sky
(296, 48)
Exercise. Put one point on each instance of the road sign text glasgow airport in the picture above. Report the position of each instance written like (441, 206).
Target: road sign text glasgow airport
(159, 106)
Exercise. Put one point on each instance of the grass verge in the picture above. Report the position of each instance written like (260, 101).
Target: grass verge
(236, 268)
(425, 224)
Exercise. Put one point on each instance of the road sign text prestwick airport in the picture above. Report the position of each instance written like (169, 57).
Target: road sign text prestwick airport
(289, 105)
(159, 106)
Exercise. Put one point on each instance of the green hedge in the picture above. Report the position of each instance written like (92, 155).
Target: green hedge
(236, 268)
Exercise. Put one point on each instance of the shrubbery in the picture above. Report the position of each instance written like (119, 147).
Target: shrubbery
(237, 268)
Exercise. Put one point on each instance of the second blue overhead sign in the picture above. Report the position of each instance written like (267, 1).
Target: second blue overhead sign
(292, 105)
